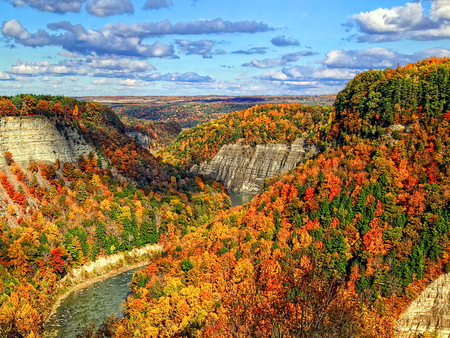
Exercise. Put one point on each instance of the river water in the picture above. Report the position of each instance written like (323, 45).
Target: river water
(98, 301)
(92, 304)
(239, 198)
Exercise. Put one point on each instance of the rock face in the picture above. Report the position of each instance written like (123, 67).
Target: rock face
(243, 168)
(430, 311)
(36, 138)
(140, 138)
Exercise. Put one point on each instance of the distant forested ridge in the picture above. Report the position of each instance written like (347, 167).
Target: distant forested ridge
(264, 124)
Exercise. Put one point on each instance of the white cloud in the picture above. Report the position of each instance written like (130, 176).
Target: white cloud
(410, 21)
(131, 82)
(109, 7)
(102, 82)
(440, 9)
(111, 68)
(277, 62)
(377, 58)
(4, 76)
(55, 6)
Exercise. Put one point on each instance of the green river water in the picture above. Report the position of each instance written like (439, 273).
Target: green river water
(100, 300)
(92, 304)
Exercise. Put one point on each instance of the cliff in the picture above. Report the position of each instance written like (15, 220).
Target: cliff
(140, 138)
(243, 168)
(429, 311)
(36, 138)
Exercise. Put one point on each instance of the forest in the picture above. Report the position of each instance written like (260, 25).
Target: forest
(58, 216)
(189, 111)
(337, 247)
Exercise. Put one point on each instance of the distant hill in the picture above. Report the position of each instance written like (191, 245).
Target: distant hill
(189, 111)
(265, 124)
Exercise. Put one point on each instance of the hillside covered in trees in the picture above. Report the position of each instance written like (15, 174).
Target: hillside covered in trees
(189, 111)
(337, 247)
(58, 216)
(257, 125)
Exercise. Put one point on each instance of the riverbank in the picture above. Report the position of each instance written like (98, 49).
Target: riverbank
(101, 269)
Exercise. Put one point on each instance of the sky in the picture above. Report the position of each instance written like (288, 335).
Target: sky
(203, 47)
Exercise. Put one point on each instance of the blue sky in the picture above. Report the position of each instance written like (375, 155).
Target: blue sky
(201, 47)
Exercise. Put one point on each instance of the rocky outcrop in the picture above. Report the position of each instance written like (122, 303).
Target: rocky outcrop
(140, 138)
(36, 138)
(243, 168)
(430, 311)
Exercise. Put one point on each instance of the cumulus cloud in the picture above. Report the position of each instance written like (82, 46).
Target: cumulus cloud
(214, 26)
(363, 59)
(55, 6)
(14, 29)
(102, 82)
(120, 38)
(83, 41)
(254, 50)
(157, 4)
(377, 58)
(109, 68)
(131, 83)
(339, 66)
(95, 7)
(403, 22)
(109, 7)
(201, 47)
(45, 68)
(440, 9)
(277, 62)
(282, 41)
(303, 77)
(177, 77)
(4, 76)
(117, 68)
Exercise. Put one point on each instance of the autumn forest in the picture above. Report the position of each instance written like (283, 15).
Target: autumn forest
(337, 247)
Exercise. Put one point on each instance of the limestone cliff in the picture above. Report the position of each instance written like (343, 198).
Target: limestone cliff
(429, 311)
(140, 138)
(36, 138)
(243, 168)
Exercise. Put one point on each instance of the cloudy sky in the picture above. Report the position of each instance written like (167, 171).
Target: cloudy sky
(194, 47)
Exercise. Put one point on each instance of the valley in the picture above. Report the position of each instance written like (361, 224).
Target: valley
(276, 219)
(189, 111)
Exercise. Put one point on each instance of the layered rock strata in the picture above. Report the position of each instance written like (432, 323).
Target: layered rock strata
(428, 312)
(140, 138)
(243, 168)
(36, 138)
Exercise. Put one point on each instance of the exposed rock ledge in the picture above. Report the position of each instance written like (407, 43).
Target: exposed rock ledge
(430, 311)
(243, 168)
(36, 138)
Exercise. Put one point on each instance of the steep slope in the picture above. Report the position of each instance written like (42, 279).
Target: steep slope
(339, 247)
(246, 147)
(60, 208)
(36, 138)
(244, 168)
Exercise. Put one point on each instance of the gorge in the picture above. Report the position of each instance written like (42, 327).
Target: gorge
(243, 168)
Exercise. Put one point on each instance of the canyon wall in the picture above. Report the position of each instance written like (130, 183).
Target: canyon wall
(36, 138)
(243, 168)
(430, 311)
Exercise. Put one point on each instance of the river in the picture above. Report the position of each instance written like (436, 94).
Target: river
(239, 198)
(92, 304)
(100, 300)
